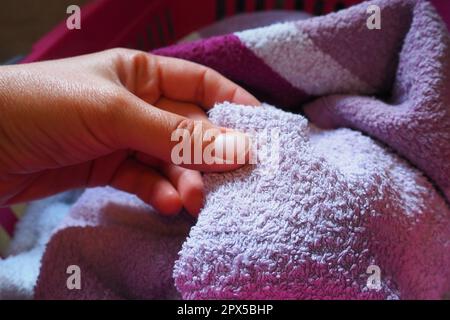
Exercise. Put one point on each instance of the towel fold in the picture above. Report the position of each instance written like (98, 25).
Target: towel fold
(123, 248)
(311, 225)
(320, 209)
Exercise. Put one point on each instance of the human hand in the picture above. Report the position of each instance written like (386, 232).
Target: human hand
(107, 119)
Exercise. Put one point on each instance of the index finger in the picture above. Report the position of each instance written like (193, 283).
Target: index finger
(191, 82)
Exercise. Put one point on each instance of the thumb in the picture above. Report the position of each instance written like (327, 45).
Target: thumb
(193, 144)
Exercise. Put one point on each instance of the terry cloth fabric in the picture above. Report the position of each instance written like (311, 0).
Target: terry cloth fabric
(20, 267)
(337, 204)
(391, 84)
(307, 222)
(245, 21)
(309, 225)
(131, 257)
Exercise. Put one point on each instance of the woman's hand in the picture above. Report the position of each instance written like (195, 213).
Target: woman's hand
(106, 119)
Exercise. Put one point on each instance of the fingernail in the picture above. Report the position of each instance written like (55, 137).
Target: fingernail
(231, 148)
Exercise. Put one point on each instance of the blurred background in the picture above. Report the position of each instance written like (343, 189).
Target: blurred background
(22, 22)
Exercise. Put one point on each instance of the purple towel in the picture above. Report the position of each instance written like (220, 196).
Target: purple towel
(307, 222)
(330, 207)
(405, 64)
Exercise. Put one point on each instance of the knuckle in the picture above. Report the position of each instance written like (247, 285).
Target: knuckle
(137, 71)
(194, 128)
(130, 55)
(123, 57)
(186, 124)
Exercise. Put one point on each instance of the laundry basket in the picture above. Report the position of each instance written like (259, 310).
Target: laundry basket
(149, 24)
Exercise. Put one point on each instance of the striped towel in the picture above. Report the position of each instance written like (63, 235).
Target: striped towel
(414, 127)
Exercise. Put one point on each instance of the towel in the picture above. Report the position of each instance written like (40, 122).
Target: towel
(353, 204)
(391, 84)
(304, 223)
(309, 222)
(124, 250)
(20, 269)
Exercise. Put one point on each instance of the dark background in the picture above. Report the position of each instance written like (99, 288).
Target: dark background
(22, 22)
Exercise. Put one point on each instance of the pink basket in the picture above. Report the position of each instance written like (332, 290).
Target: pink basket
(149, 24)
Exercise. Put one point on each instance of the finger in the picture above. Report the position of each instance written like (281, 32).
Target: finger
(27, 187)
(148, 185)
(199, 84)
(189, 184)
(196, 145)
(185, 109)
(127, 175)
(151, 76)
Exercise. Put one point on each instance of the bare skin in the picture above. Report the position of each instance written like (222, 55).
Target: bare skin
(106, 119)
